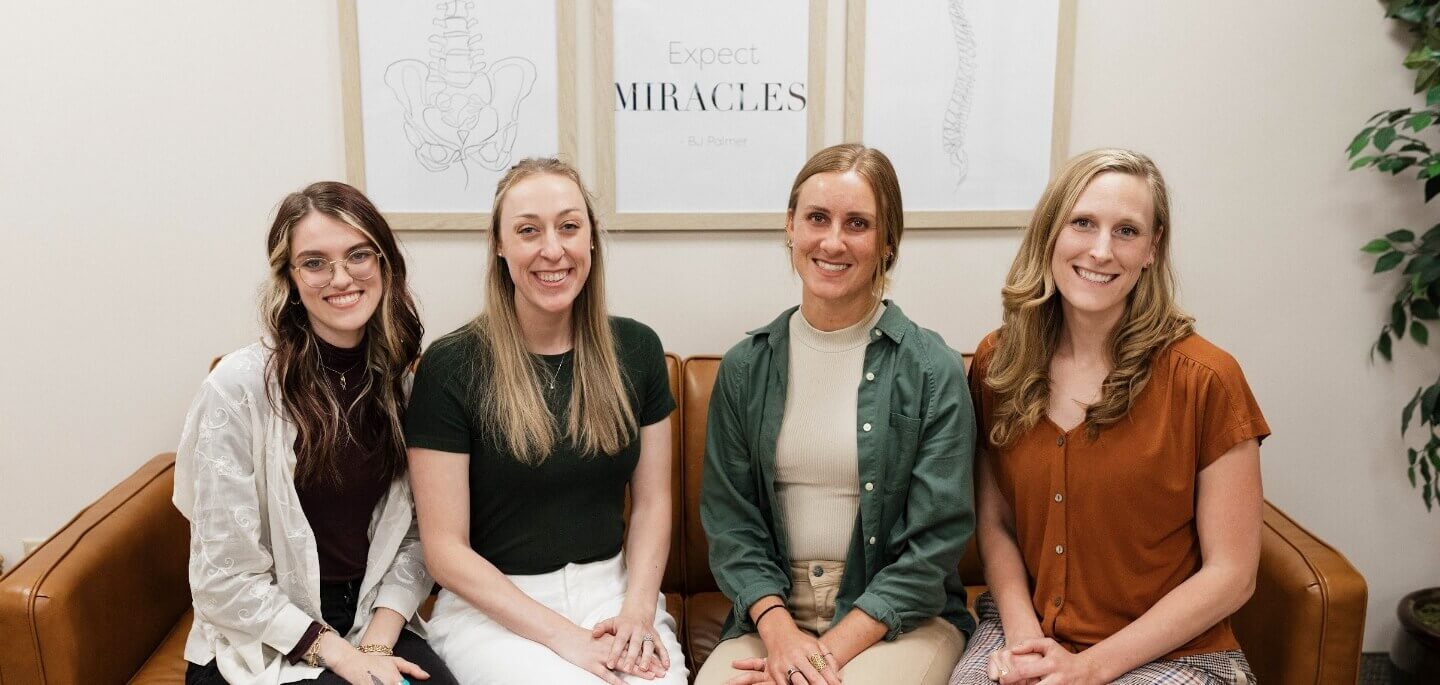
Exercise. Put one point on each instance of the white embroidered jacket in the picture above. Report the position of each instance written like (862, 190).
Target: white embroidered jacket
(254, 568)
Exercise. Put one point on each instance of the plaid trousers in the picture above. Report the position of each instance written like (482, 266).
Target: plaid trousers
(1214, 668)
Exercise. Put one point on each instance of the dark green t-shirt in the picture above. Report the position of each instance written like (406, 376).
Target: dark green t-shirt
(569, 509)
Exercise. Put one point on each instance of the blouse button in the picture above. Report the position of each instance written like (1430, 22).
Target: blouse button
(1060, 441)
(872, 539)
(869, 486)
(876, 332)
(869, 375)
(818, 571)
(1059, 497)
(865, 428)
(1059, 549)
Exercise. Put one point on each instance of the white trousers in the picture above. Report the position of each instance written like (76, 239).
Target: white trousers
(480, 651)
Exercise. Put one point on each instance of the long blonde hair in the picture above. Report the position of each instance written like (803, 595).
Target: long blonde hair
(1019, 371)
(508, 381)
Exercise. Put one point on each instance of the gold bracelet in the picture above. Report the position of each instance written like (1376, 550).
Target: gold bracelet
(377, 649)
(312, 656)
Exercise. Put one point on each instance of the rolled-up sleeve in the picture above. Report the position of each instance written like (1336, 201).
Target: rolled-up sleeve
(739, 533)
(939, 509)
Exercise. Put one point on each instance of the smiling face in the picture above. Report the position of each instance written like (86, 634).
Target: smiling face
(545, 238)
(835, 248)
(338, 311)
(1107, 241)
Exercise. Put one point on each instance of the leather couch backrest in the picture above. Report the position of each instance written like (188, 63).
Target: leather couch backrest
(674, 580)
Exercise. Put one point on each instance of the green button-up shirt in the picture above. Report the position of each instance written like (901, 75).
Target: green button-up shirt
(915, 433)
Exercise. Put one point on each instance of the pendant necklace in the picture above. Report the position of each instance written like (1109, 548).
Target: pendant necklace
(556, 375)
(341, 374)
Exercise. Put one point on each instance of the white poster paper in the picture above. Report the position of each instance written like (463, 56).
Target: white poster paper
(960, 94)
(710, 104)
(452, 93)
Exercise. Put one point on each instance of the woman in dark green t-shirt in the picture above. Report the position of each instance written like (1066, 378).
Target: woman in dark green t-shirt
(525, 427)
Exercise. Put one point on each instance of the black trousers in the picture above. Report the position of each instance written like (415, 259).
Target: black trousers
(337, 606)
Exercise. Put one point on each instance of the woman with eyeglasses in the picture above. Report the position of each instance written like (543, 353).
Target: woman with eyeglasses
(527, 427)
(305, 560)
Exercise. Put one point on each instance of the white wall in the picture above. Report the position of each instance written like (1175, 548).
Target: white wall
(142, 148)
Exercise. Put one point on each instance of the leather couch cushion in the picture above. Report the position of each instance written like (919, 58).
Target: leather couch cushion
(167, 665)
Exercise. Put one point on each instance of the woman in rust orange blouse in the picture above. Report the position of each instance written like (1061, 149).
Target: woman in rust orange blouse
(1118, 484)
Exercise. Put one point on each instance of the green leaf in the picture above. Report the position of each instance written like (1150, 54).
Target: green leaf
(1388, 261)
(1397, 316)
(1403, 235)
(1416, 146)
(1376, 246)
(1396, 115)
(1432, 97)
(1425, 471)
(1400, 164)
(1420, 121)
(1405, 419)
(1411, 473)
(1426, 277)
(1383, 345)
(1427, 401)
(1419, 262)
(1432, 188)
(1424, 309)
(1412, 455)
(1434, 460)
(1429, 495)
(1361, 162)
(1419, 332)
(1361, 140)
(1384, 137)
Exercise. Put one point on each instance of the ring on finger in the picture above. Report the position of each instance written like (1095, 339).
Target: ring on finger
(817, 660)
(648, 638)
(791, 673)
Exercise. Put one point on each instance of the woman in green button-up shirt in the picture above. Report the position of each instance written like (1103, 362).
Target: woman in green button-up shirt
(838, 460)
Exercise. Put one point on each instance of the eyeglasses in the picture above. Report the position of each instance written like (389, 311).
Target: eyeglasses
(317, 272)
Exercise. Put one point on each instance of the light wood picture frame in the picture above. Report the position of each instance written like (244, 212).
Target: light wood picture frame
(690, 212)
(448, 119)
(1022, 84)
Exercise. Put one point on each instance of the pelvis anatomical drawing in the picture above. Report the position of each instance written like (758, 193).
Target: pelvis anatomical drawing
(459, 108)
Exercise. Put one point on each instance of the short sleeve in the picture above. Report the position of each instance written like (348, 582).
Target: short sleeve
(440, 413)
(1230, 414)
(650, 375)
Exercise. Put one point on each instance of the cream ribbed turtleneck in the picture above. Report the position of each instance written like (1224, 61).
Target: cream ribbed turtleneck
(817, 461)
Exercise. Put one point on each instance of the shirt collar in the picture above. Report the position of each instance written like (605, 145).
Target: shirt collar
(892, 324)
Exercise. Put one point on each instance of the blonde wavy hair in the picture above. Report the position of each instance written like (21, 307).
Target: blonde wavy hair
(1019, 371)
(508, 381)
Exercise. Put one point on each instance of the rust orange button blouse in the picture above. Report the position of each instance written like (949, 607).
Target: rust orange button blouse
(1107, 527)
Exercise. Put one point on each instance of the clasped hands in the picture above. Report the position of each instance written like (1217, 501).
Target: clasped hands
(1041, 661)
(794, 657)
(625, 643)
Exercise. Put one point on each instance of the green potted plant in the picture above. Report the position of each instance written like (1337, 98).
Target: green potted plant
(1389, 143)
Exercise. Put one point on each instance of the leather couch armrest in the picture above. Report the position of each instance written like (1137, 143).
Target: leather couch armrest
(1306, 621)
(92, 602)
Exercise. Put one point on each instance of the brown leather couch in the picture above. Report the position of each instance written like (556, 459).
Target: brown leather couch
(105, 600)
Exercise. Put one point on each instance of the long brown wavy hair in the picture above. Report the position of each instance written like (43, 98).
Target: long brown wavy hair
(1019, 371)
(873, 166)
(508, 379)
(392, 340)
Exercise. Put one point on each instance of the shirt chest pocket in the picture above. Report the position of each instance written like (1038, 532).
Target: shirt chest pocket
(900, 451)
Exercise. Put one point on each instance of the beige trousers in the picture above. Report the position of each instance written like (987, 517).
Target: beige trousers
(924, 656)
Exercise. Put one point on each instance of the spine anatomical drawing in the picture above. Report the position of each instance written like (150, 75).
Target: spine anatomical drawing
(459, 109)
(957, 113)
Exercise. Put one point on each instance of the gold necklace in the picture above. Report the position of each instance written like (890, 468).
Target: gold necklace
(341, 374)
(556, 375)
